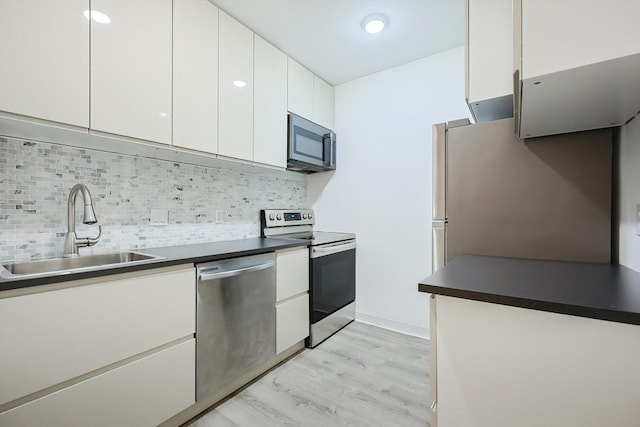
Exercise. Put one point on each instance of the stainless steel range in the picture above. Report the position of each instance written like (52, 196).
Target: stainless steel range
(332, 269)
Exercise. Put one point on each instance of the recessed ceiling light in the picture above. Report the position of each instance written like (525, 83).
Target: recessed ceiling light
(375, 23)
(97, 16)
(239, 83)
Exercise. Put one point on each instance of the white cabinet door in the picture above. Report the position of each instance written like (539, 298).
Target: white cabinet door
(323, 103)
(563, 34)
(496, 363)
(300, 90)
(270, 105)
(292, 322)
(292, 314)
(142, 393)
(309, 96)
(50, 337)
(195, 75)
(489, 59)
(292, 273)
(579, 65)
(44, 46)
(131, 69)
(235, 137)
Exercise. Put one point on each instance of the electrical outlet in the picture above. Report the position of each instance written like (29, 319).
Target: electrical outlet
(638, 219)
(219, 217)
(159, 216)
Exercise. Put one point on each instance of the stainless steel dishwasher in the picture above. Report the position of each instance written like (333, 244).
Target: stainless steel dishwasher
(235, 319)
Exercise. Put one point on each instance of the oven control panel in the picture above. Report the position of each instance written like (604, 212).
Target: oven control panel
(286, 217)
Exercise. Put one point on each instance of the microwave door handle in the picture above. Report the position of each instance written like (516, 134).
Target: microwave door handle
(332, 139)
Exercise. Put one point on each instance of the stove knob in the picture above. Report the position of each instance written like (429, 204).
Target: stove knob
(279, 217)
(272, 217)
(304, 216)
(310, 216)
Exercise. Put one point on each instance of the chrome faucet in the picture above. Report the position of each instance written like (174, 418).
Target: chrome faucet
(73, 242)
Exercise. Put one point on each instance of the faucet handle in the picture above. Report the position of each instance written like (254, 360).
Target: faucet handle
(93, 240)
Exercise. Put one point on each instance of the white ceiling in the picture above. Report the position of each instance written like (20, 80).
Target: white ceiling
(326, 35)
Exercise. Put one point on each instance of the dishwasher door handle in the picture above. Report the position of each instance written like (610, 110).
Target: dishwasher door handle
(215, 273)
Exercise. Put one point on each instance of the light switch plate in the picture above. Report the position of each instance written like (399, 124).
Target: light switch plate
(638, 219)
(159, 216)
(219, 217)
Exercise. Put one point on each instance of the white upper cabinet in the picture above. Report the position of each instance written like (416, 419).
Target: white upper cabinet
(270, 105)
(578, 64)
(235, 136)
(195, 75)
(44, 46)
(489, 59)
(309, 96)
(559, 35)
(300, 96)
(323, 103)
(131, 69)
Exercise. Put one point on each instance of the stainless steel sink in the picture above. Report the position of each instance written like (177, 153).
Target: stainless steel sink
(60, 266)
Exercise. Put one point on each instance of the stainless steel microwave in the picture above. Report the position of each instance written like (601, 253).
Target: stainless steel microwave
(312, 148)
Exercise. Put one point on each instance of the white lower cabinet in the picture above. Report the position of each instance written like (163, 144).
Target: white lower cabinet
(99, 351)
(508, 366)
(292, 320)
(292, 297)
(292, 273)
(144, 392)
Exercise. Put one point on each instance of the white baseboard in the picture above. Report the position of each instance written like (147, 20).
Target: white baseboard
(392, 325)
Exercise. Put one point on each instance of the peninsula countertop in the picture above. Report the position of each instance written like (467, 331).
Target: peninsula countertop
(598, 291)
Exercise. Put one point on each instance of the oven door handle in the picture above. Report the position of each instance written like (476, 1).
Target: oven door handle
(320, 251)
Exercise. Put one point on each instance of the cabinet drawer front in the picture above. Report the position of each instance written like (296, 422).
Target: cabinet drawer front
(142, 393)
(292, 322)
(50, 337)
(292, 273)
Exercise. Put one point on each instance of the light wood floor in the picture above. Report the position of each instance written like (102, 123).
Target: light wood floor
(362, 376)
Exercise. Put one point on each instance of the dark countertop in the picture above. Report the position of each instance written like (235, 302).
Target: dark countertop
(172, 255)
(599, 291)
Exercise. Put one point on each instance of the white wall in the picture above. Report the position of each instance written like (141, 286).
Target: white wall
(629, 193)
(381, 189)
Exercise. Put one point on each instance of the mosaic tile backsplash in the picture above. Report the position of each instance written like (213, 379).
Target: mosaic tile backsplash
(35, 179)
